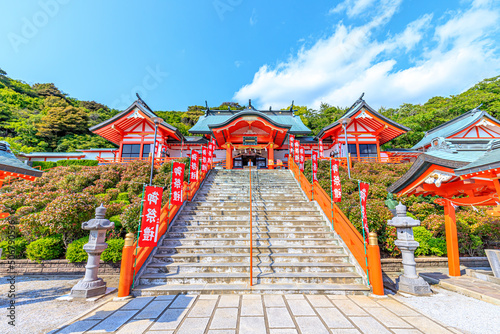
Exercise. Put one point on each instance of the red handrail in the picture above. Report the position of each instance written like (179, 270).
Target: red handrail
(251, 231)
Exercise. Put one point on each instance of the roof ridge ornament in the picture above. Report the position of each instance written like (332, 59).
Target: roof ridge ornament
(441, 144)
(141, 101)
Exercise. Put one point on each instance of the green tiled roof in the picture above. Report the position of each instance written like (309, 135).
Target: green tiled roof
(490, 160)
(9, 163)
(453, 126)
(278, 117)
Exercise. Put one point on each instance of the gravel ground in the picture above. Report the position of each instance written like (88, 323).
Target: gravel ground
(37, 310)
(456, 310)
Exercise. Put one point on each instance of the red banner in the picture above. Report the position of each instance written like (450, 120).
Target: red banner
(210, 153)
(177, 183)
(321, 155)
(150, 216)
(336, 186)
(302, 158)
(193, 170)
(363, 195)
(290, 144)
(315, 166)
(296, 152)
(204, 159)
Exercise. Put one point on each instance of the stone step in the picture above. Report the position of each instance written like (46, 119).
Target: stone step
(245, 288)
(260, 267)
(246, 211)
(245, 218)
(277, 257)
(245, 222)
(242, 242)
(266, 278)
(246, 235)
(256, 228)
(246, 208)
(255, 204)
(244, 249)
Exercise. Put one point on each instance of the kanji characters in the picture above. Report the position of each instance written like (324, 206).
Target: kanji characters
(148, 234)
(153, 197)
(151, 215)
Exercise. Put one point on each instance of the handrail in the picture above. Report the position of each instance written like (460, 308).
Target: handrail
(157, 160)
(131, 261)
(251, 231)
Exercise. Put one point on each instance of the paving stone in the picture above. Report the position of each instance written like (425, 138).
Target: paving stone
(224, 318)
(137, 303)
(369, 325)
(113, 322)
(208, 297)
(349, 308)
(319, 301)
(364, 301)
(398, 308)
(334, 318)
(158, 332)
(426, 325)
(251, 307)
(300, 307)
(274, 301)
(104, 311)
(153, 310)
(249, 325)
(345, 331)
(222, 331)
(203, 308)
(183, 301)
(79, 326)
(387, 318)
(252, 297)
(229, 301)
(135, 326)
(337, 297)
(407, 331)
(165, 297)
(193, 325)
(279, 317)
(295, 296)
(170, 319)
(282, 331)
(311, 325)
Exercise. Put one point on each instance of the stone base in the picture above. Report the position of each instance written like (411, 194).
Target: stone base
(414, 286)
(90, 289)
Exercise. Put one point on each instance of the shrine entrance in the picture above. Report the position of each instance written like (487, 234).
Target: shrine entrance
(250, 158)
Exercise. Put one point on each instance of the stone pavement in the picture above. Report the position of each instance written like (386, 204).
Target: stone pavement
(252, 313)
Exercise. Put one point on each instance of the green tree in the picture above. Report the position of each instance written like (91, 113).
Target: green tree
(59, 122)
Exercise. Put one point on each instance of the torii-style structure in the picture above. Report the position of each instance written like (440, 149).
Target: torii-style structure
(463, 174)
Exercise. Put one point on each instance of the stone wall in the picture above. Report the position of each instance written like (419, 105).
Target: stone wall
(55, 267)
(395, 265)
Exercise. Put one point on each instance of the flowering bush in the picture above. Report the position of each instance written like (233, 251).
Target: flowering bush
(131, 215)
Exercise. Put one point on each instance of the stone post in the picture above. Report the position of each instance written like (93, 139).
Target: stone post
(409, 281)
(91, 285)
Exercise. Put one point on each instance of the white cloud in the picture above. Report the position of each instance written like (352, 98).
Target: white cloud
(253, 17)
(422, 61)
(352, 7)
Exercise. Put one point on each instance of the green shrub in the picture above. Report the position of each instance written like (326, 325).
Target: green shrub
(47, 248)
(122, 197)
(44, 164)
(113, 192)
(114, 251)
(18, 249)
(75, 252)
(428, 244)
(123, 203)
(82, 162)
(116, 219)
(130, 216)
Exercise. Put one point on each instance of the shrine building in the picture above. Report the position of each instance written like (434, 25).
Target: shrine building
(247, 137)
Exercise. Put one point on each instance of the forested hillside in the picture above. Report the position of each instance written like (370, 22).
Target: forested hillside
(41, 117)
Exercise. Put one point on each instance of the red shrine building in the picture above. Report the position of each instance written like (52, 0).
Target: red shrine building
(249, 136)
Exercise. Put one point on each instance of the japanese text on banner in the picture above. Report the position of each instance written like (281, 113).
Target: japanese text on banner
(321, 148)
(150, 216)
(296, 152)
(363, 195)
(302, 158)
(204, 159)
(193, 169)
(336, 186)
(290, 144)
(315, 166)
(177, 183)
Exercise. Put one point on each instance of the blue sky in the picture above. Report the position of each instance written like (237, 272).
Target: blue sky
(180, 53)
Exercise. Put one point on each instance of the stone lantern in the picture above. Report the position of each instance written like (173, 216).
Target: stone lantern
(91, 285)
(409, 281)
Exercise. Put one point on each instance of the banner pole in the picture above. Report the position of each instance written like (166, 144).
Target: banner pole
(138, 236)
(363, 228)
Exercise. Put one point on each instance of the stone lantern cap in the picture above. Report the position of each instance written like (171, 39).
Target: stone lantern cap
(401, 219)
(99, 222)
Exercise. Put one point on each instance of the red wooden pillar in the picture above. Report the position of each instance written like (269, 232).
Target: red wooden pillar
(270, 156)
(229, 157)
(451, 239)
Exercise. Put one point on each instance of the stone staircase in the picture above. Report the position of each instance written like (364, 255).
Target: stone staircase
(206, 249)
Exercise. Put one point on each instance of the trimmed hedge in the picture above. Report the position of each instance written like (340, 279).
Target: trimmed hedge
(44, 164)
(47, 248)
(113, 253)
(19, 248)
(82, 162)
(75, 252)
